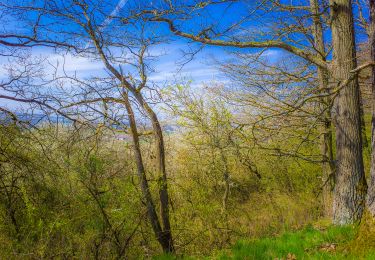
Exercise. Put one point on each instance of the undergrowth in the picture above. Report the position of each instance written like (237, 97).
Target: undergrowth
(310, 243)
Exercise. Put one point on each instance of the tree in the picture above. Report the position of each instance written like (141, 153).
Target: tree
(210, 127)
(326, 106)
(371, 188)
(88, 33)
(350, 186)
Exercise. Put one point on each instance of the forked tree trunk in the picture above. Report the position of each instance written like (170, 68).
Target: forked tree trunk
(350, 187)
(164, 240)
(326, 143)
(160, 159)
(164, 234)
(371, 190)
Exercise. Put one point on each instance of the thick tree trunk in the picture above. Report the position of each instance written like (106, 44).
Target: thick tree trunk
(165, 241)
(160, 158)
(350, 187)
(371, 190)
(328, 166)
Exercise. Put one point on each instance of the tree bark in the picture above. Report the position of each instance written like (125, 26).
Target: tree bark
(163, 236)
(160, 158)
(371, 190)
(350, 187)
(328, 166)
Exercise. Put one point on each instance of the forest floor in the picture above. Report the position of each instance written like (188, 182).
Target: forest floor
(312, 242)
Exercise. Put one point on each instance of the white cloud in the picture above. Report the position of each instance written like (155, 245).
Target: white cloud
(272, 53)
(76, 63)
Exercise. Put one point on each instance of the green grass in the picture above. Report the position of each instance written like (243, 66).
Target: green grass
(309, 243)
(304, 244)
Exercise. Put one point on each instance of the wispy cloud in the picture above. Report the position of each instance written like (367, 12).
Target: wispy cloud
(201, 69)
(115, 11)
(109, 18)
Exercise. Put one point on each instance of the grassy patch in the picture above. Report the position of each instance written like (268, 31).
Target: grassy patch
(310, 243)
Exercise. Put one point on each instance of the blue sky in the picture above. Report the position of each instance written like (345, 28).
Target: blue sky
(202, 69)
(168, 67)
